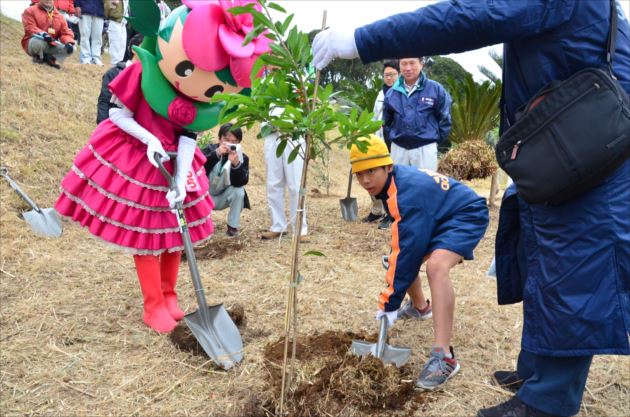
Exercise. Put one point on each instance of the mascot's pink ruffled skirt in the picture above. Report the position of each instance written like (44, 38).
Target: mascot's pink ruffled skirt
(115, 193)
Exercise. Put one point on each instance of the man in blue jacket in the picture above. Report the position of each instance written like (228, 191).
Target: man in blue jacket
(570, 264)
(416, 116)
(437, 220)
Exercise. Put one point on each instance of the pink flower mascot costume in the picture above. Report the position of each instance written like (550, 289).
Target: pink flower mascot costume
(114, 187)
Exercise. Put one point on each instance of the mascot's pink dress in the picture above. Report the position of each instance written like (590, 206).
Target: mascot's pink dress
(115, 192)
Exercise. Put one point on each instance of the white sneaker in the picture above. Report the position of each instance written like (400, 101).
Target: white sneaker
(97, 61)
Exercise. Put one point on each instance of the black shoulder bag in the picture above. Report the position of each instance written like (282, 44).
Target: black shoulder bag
(570, 136)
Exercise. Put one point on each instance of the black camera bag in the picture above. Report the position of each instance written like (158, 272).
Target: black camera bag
(570, 136)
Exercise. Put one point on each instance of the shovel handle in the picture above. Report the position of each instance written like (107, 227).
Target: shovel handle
(382, 338)
(5, 174)
(188, 246)
(349, 183)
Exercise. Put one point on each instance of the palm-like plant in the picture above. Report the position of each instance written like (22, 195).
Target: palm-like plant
(475, 109)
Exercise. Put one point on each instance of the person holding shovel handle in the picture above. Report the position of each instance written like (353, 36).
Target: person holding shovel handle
(115, 188)
(437, 220)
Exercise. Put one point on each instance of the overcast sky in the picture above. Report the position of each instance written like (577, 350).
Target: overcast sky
(348, 14)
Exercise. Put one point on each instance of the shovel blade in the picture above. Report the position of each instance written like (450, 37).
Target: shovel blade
(45, 222)
(349, 208)
(218, 336)
(391, 354)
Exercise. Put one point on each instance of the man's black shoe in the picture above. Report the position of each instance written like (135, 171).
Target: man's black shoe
(371, 218)
(508, 380)
(52, 61)
(514, 407)
(385, 223)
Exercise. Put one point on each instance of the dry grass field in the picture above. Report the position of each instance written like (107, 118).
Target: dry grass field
(72, 342)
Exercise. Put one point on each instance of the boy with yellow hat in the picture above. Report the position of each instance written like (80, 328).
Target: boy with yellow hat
(437, 220)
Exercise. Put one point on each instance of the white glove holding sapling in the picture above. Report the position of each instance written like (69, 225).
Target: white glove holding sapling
(185, 154)
(123, 118)
(331, 44)
(391, 316)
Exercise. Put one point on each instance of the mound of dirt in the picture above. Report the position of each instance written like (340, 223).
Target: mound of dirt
(183, 338)
(331, 381)
(217, 248)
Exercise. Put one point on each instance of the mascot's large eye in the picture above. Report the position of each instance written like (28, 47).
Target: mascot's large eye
(213, 90)
(184, 69)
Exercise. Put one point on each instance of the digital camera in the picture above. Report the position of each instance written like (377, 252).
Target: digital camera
(234, 147)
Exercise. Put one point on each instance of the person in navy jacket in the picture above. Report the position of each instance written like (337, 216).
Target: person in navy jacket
(416, 116)
(569, 264)
(437, 220)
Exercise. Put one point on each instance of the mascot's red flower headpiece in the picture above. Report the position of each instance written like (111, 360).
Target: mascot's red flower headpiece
(213, 38)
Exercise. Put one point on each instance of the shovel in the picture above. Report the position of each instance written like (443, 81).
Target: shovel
(349, 208)
(211, 325)
(43, 221)
(381, 350)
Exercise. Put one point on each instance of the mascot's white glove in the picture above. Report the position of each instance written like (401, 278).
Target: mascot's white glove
(123, 118)
(391, 316)
(331, 44)
(185, 154)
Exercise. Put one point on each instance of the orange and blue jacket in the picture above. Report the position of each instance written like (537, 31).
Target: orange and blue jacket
(430, 211)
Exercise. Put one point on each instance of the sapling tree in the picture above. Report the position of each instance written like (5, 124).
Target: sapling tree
(288, 102)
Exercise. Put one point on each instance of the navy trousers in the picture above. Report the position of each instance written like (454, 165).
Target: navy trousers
(553, 385)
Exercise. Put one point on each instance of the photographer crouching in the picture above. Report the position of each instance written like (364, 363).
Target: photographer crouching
(227, 168)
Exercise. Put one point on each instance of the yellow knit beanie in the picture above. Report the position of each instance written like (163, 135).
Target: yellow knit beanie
(376, 155)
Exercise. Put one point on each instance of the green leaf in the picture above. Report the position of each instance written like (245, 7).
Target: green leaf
(280, 149)
(313, 253)
(241, 9)
(277, 7)
(294, 153)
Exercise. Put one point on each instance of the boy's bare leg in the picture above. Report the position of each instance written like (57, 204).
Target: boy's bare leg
(416, 294)
(438, 269)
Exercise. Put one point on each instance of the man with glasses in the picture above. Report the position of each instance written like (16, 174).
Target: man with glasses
(390, 75)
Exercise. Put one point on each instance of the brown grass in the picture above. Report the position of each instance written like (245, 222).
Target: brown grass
(72, 341)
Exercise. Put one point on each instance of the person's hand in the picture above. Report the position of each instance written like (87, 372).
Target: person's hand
(223, 149)
(69, 48)
(77, 11)
(391, 316)
(47, 37)
(154, 146)
(233, 157)
(331, 44)
(178, 194)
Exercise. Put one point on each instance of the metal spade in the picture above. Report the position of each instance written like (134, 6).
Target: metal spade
(381, 350)
(43, 221)
(211, 325)
(349, 208)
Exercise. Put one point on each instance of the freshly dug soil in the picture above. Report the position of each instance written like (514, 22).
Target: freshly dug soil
(331, 381)
(183, 338)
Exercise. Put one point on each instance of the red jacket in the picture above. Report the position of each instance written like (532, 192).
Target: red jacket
(35, 20)
(61, 5)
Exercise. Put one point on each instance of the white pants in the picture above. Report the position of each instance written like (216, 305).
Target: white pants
(117, 33)
(281, 174)
(91, 28)
(424, 157)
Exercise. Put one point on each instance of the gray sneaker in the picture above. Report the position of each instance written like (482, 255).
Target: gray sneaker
(437, 370)
(409, 311)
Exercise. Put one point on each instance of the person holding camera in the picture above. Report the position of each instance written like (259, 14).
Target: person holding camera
(47, 37)
(227, 168)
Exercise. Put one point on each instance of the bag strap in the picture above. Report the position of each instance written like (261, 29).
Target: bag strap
(612, 36)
